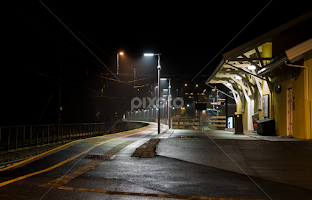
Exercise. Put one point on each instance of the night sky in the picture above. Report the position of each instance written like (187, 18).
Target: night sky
(188, 35)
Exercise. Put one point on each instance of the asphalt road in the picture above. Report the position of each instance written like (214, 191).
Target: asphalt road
(185, 168)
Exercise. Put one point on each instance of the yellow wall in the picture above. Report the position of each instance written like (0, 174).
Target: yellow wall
(302, 113)
(280, 109)
(308, 63)
(266, 51)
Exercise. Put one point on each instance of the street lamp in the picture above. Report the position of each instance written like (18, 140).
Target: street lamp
(169, 88)
(120, 53)
(158, 99)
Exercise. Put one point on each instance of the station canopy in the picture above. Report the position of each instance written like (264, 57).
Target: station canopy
(239, 68)
(244, 69)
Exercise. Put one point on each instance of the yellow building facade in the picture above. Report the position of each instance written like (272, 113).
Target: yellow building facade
(272, 76)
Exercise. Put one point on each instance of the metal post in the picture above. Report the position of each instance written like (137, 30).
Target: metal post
(52, 134)
(62, 133)
(169, 110)
(91, 125)
(37, 135)
(117, 63)
(24, 137)
(74, 132)
(159, 68)
(9, 139)
(48, 135)
(80, 132)
(70, 132)
(60, 94)
(42, 135)
(58, 132)
(16, 138)
(30, 136)
(200, 119)
(217, 103)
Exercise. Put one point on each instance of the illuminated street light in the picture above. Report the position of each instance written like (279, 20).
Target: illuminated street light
(158, 69)
(148, 54)
(120, 53)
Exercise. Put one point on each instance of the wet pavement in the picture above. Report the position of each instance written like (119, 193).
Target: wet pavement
(188, 165)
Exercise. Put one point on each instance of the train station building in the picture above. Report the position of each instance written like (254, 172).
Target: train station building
(271, 77)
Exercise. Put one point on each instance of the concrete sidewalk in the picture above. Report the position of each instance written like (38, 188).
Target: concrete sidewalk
(274, 158)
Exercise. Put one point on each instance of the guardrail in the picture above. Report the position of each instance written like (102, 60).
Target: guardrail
(218, 122)
(15, 137)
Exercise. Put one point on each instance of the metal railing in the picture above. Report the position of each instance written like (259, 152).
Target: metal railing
(213, 122)
(15, 137)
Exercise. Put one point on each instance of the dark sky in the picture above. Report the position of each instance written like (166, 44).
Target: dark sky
(188, 35)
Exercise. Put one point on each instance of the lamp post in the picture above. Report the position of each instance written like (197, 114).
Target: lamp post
(158, 96)
(169, 99)
(120, 53)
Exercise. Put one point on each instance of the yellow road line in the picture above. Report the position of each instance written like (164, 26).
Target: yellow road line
(87, 167)
(61, 163)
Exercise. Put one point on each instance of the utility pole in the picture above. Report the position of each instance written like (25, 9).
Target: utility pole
(108, 100)
(60, 92)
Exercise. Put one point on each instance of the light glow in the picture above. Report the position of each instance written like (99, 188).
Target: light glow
(251, 67)
(148, 54)
(121, 53)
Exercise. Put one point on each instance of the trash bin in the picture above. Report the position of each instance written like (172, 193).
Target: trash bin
(266, 127)
(238, 122)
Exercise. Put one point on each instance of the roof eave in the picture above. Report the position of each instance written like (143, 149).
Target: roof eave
(215, 71)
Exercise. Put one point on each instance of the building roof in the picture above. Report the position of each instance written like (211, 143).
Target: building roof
(265, 37)
(237, 65)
